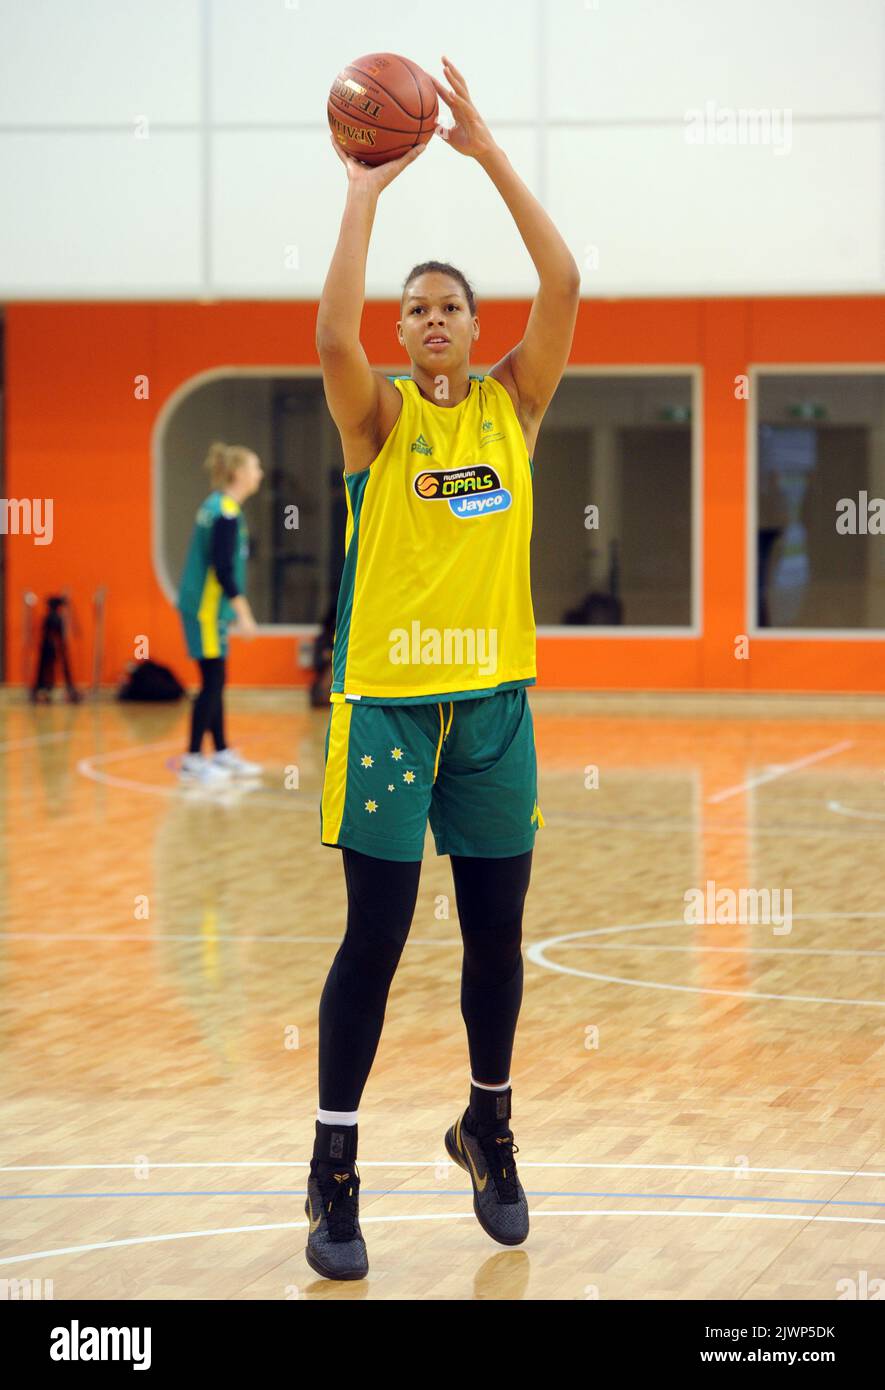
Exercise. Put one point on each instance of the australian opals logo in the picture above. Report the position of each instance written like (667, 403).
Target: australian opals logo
(471, 491)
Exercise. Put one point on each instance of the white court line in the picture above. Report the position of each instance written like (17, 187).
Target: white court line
(260, 795)
(442, 1216)
(109, 937)
(653, 827)
(780, 771)
(840, 809)
(720, 950)
(535, 952)
(133, 750)
(233, 792)
(33, 742)
(86, 769)
(436, 1162)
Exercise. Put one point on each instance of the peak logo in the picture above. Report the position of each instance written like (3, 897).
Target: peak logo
(471, 491)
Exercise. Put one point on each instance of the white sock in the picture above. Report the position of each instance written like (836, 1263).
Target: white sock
(337, 1117)
(483, 1087)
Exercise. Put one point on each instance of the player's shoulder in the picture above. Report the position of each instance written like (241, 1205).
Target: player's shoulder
(393, 391)
(217, 507)
(207, 511)
(397, 382)
(499, 381)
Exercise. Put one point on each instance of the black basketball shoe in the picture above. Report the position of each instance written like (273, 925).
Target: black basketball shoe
(335, 1245)
(486, 1153)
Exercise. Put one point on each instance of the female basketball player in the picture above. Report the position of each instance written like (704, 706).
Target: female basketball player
(211, 593)
(434, 649)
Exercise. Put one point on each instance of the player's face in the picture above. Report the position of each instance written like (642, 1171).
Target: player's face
(252, 473)
(435, 306)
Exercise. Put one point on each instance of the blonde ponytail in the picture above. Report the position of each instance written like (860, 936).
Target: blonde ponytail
(223, 462)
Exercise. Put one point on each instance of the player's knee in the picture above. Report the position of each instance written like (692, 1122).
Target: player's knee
(492, 957)
(373, 951)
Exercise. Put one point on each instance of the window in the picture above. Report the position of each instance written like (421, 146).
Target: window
(613, 481)
(819, 491)
(297, 518)
(614, 495)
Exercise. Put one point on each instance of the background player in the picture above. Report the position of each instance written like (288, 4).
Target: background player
(210, 594)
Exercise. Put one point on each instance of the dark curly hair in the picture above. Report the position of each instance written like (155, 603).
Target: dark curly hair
(445, 269)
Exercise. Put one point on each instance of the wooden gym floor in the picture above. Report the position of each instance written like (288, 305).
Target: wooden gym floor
(698, 1107)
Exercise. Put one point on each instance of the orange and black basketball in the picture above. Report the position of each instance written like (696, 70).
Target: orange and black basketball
(381, 106)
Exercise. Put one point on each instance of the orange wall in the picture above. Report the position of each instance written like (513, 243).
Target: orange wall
(76, 433)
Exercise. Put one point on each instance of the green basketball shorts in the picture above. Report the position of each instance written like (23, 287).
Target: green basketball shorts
(469, 765)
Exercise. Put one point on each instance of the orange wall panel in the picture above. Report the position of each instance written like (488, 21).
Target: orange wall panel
(76, 432)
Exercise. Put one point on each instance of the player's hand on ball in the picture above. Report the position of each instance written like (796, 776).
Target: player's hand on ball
(376, 176)
(470, 134)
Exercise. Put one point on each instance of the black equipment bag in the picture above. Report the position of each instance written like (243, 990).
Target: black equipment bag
(148, 680)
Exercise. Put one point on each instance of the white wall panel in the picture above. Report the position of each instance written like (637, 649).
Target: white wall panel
(640, 60)
(275, 191)
(100, 213)
(588, 97)
(98, 61)
(451, 211)
(667, 217)
(272, 63)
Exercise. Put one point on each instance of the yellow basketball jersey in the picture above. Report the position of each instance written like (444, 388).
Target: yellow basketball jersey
(435, 596)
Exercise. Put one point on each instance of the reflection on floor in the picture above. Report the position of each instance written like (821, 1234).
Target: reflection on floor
(698, 1075)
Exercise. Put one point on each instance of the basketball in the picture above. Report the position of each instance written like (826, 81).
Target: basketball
(381, 106)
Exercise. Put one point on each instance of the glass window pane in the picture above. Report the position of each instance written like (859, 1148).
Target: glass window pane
(612, 542)
(612, 486)
(297, 519)
(820, 471)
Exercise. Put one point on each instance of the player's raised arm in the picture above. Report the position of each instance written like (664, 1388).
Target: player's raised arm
(538, 360)
(351, 387)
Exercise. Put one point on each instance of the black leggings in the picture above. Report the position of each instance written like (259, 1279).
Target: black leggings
(208, 708)
(381, 897)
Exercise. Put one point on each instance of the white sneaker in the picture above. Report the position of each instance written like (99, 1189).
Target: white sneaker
(231, 762)
(197, 768)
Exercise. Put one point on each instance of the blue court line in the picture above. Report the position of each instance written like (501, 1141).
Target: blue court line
(442, 1192)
